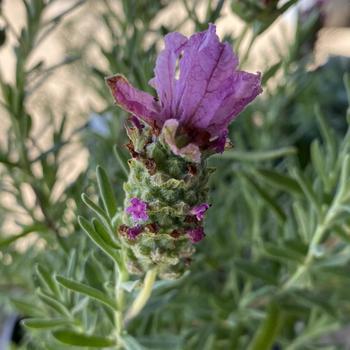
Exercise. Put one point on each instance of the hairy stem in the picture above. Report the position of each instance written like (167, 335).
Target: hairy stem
(316, 239)
(121, 276)
(143, 296)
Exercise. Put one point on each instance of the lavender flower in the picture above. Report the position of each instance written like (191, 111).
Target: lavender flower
(200, 91)
(199, 210)
(137, 210)
(196, 234)
(198, 106)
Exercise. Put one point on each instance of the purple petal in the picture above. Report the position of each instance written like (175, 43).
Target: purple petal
(199, 210)
(243, 88)
(204, 68)
(165, 70)
(133, 100)
(137, 210)
(196, 234)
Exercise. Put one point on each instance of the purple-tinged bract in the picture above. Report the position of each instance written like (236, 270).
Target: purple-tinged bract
(196, 234)
(199, 211)
(133, 232)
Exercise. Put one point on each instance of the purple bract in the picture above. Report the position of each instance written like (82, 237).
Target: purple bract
(200, 92)
(196, 234)
(199, 211)
(137, 210)
(133, 232)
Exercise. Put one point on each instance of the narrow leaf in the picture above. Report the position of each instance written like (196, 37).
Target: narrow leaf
(47, 280)
(106, 192)
(281, 181)
(120, 159)
(43, 323)
(269, 200)
(308, 191)
(130, 343)
(87, 290)
(97, 239)
(27, 230)
(54, 304)
(95, 208)
(26, 308)
(102, 231)
(80, 339)
(256, 271)
(257, 156)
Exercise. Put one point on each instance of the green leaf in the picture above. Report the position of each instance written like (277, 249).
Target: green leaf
(346, 79)
(312, 298)
(255, 270)
(308, 190)
(303, 221)
(106, 192)
(95, 208)
(47, 280)
(27, 230)
(327, 132)
(88, 291)
(97, 239)
(283, 254)
(43, 323)
(269, 200)
(257, 156)
(102, 231)
(54, 304)
(319, 163)
(129, 286)
(269, 73)
(130, 343)
(281, 181)
(121, 160)
(343, 191)
(80, 339)
(26, 308)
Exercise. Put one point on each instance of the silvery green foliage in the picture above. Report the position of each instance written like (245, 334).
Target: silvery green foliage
(274, 267)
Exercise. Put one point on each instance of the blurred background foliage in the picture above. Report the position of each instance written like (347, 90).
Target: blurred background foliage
(273, 271)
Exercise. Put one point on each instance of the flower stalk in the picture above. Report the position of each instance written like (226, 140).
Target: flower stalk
(143, 296)
(122, 276)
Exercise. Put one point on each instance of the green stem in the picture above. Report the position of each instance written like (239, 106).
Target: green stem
(143, 296)
(316, 239)
(122, 276)
(268, 329)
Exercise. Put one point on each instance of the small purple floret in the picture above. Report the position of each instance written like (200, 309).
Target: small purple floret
(133, 232)
(196, 234)
(137, 210)
(199, 211)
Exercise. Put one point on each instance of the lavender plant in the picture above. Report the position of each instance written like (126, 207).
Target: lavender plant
(272, 271)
